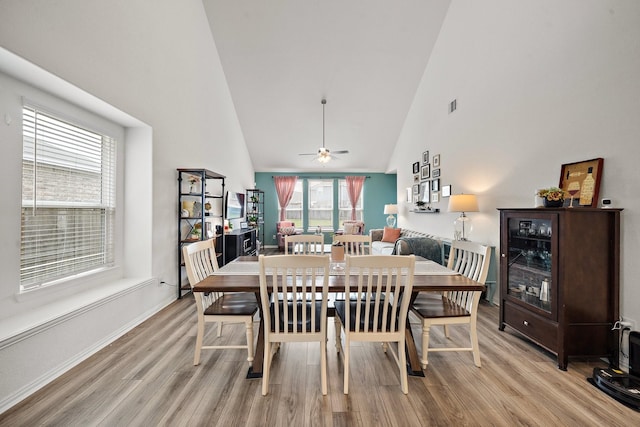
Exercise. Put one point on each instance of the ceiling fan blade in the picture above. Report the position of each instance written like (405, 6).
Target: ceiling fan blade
(340, 152)
(307, 154)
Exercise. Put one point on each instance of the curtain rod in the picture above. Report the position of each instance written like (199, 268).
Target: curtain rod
(322, 176)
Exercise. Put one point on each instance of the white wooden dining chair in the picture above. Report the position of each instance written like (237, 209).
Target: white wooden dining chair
(355, 244)
(453, 308)
(304, 244)
(200, 261)
(295, 288)
(377, 310)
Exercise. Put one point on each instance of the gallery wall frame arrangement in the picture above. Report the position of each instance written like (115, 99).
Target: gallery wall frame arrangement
(425, 189)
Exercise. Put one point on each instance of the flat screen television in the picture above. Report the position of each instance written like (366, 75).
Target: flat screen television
(234, 206)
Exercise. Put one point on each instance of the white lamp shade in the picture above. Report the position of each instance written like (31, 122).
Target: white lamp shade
(390, 209)
(463, 203)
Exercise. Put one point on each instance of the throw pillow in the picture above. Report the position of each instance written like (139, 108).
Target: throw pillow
(351, 229)
(288, 231)
(390, 235)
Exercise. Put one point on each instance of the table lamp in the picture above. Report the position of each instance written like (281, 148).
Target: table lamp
(463, 203)
(391, 210)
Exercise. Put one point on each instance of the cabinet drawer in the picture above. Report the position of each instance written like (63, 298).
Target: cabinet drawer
(533, 326)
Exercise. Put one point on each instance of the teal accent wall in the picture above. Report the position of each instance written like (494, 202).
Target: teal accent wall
(379, 189)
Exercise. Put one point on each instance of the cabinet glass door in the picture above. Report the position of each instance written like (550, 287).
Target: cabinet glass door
(529, 265)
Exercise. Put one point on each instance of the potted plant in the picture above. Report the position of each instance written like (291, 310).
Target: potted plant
(553, 197)
(253, 220)
(422, 205)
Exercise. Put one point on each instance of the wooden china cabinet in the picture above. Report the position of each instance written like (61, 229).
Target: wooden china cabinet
(559, 279)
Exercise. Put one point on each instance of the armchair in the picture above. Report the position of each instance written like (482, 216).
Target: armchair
(284, 228)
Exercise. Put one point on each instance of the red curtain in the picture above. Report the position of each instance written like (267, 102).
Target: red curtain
(354, 188)
(285, 185)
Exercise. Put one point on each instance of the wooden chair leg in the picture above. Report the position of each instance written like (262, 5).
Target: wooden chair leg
(425, 343)
(338, 325)
(249, 325)
(323, 366)
(346, 351)
(404, 381)
(265, 368)
(199, 339)
(473, 335)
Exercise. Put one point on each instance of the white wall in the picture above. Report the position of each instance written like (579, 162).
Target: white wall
(538, 84)
(157, 62)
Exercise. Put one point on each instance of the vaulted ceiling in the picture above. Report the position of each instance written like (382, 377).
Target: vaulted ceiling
(282, 57)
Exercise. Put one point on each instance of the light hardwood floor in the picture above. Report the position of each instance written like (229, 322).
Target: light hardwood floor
(146, 378)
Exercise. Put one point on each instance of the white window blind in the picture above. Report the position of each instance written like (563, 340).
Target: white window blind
(68, 200)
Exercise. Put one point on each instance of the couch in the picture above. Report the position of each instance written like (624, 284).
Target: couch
(409, 242)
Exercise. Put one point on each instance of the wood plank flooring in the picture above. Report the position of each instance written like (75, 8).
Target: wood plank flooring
(147, 378)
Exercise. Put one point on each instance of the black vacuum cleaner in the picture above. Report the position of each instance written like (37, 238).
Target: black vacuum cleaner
(625, 388)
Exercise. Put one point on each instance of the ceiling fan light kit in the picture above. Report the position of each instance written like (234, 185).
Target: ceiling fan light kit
(324, 154)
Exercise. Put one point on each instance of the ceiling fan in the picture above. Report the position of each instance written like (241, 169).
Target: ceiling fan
(323, 155)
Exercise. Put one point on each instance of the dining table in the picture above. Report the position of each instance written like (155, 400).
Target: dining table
(242, 275)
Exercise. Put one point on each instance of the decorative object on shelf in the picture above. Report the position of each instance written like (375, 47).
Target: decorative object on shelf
(436, 161)
(207, 207)
(391, 210)
(582, 181)
(197, 209)
(193, 180)
(463, 203)
(552, 197)
(324, 154)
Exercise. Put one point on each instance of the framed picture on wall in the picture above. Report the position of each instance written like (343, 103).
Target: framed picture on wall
(425, 158)
(436, 161)
(416, 167)
(446, 190)
(416, 189)
(424, 191)
(435, 185)
(425, 172)
(436, 173)
(581, 182)
(435, 198)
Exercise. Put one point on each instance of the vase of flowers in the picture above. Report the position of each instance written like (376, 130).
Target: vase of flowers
(193, 180)
(552, 197)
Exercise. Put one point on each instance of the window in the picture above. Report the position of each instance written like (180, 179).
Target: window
(68, 200)
(345, 204)
(320, 204)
